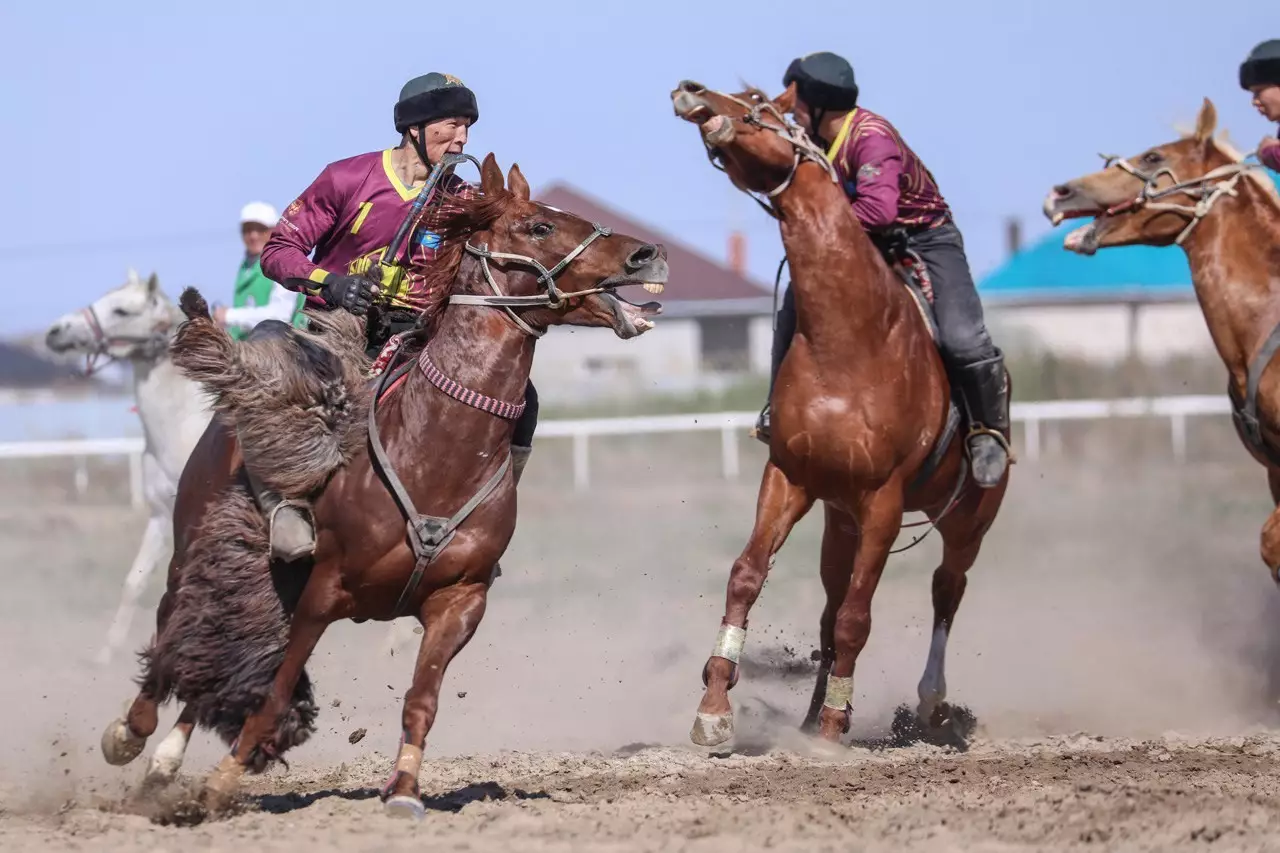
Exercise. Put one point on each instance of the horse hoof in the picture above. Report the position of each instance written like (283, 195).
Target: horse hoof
(713, 730)
(119, 745)
(402, 806)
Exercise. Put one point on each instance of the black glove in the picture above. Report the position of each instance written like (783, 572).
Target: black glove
(351, 292)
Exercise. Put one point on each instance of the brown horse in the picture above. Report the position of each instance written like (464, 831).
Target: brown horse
(1225, 214)
(233, 633)
(862, 419)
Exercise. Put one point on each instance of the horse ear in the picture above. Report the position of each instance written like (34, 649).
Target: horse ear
(153, 283)
(1206, 122)
(490, 176)
(786, 102)
(517, 184)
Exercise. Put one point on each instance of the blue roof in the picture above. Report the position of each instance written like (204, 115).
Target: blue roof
(1045, 270)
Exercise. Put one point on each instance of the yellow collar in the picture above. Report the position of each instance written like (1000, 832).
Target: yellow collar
(842, 135)
(406, 193)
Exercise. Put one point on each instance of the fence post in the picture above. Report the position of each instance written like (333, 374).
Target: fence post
(581, 463)
(135, 480)
(82, 476)
(1178, 432)
(1031, 436)
(729, 452)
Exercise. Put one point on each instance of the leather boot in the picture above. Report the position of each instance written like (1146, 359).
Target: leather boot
(289, 523)
(984, 385)
(783, 332)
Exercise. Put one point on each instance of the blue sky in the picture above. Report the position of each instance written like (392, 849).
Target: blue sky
(136, 130)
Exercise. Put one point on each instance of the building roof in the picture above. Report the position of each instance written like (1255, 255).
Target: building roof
(694, 277)
(1046, 272)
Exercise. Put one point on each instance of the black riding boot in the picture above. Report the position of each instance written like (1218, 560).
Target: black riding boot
(782, 335)
(984, 385)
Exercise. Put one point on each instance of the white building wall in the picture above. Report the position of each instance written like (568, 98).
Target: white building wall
(1104, 333)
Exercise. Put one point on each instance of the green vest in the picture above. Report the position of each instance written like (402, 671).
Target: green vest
(254, 288)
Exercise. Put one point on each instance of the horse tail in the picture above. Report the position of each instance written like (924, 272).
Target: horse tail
(297, 399)
(228, 629)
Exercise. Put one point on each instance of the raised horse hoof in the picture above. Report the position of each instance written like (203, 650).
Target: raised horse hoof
(713, 731)
(403, 806)
(119, 745)
(223, 784)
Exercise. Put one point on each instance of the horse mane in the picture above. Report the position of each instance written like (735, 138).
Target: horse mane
(462, 213)
(1235, 155)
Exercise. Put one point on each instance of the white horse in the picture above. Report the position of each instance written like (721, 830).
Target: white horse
(134, 323)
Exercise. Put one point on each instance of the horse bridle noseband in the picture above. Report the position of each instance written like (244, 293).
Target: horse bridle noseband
(150, 346)
(1206, 190)
(805, 149)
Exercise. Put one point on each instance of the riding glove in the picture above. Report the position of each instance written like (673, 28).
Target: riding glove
(351, 292)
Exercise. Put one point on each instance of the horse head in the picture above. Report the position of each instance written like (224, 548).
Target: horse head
(132, 321)
(748, 136)
(1155, 198)
(555, 268)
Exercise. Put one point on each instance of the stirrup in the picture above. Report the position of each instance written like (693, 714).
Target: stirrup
(979, 429)
(308, 548)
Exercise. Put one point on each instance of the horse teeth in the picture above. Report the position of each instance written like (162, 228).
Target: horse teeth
(654, 286)
(1057, 219)
(643, 325)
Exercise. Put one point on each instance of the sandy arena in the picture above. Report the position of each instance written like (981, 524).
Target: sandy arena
(1119, 645)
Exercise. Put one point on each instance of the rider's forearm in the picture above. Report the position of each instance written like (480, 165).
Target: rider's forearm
(282, 306)
(305, 221)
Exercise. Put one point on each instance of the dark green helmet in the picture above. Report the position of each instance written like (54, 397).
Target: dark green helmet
(1262, 67)
(824, 81)
(432, 97)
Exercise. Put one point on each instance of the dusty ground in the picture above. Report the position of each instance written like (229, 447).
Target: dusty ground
(1118, 644)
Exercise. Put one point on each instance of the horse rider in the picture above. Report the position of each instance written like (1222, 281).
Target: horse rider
(1260, 75)
(256, 297)
(895, 197)
(348, 216)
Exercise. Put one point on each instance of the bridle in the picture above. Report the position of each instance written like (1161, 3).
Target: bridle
(804, 149)
(149, 346)
(552, 297)
(1206, 190)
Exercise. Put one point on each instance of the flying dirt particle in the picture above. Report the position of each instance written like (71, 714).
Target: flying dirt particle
(462, 694)
(356, 736)
(336, 703)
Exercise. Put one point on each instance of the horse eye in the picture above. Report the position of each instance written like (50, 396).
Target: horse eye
(542, 229)
(119, 312)
(1152, 157)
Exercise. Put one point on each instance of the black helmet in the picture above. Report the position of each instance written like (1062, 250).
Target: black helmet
(824, 81)
(1262, 66)
(431, 97)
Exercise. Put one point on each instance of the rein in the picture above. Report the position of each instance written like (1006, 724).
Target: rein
(1206, 190)
(805, 149)
(150, 346)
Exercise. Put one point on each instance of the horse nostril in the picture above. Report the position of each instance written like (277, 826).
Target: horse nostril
(691, 87)
(1062, 191)
(642, 257)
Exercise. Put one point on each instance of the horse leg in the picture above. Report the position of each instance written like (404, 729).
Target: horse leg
(962, 533)
(879, 518)
(149, 555)
(308, 624)
(166, 761)
(450, 617)
(781, 504)
(839, 546)
(124, 739)
(1271, 529)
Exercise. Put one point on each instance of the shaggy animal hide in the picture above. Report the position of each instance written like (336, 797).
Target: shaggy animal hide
(298, 400)
(226, 634)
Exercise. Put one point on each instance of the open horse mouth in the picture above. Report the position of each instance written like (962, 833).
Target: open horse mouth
(1065, 203)
(631, 320)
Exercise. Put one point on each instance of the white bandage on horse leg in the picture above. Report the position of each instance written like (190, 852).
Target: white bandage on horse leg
(729, 643)
(839, 693)
(410, 760)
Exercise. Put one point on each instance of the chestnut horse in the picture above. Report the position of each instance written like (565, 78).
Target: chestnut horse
(1198, 193)
(863, 420)
(446, 425)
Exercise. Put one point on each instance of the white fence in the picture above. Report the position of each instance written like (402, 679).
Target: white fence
(732, 427)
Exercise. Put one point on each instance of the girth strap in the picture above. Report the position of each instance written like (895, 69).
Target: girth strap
(1245, 412)
(429, 535)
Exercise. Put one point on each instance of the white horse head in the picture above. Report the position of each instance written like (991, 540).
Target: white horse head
(132, 322)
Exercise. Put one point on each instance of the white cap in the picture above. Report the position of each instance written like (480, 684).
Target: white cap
(259, 212)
